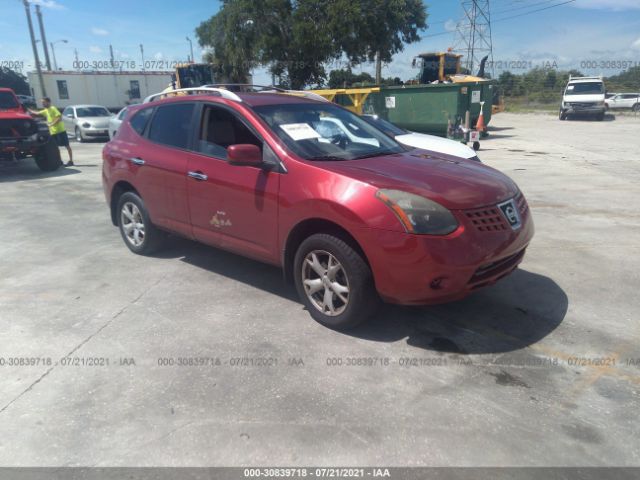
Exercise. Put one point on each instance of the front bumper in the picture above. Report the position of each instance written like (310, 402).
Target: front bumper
(22, 146)
(419, 269)
(95, 132)
(583, 109)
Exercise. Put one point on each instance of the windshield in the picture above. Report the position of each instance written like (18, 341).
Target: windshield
(7, 100)
(387, 127)
(326, 132)
(586, 88)
(92, 112)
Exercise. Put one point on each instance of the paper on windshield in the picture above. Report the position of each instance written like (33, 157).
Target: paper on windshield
(300, 131)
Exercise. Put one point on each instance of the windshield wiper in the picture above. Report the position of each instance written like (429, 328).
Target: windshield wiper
(328, 158)
(374, 154)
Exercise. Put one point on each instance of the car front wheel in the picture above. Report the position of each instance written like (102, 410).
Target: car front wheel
(334, 282)
(137, 231)
(78, 135)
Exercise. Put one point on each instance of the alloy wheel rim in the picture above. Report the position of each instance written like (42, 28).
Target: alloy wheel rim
(132, 224)
(325, 282)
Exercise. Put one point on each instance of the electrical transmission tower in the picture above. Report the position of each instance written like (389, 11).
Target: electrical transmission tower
(473, 38)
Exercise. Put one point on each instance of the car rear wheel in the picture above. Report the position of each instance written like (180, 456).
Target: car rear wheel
(334, 282)
(137, 231)
(48, 156)
(78, 135)
(636, 107)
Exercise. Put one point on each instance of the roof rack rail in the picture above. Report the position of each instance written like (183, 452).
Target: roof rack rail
(253, 88)
(222, 92)
(244, 87)
(596, 77)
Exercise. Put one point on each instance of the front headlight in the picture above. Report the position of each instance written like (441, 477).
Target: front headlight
(418, 214)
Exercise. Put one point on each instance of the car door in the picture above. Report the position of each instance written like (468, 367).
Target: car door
(159, 162)
(233, 207)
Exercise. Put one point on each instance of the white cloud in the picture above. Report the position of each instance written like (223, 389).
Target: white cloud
(158, 56)
(450, 25)
(636, 45)
(94, 49)
(615, 5)
(52, 4)
(99, 31)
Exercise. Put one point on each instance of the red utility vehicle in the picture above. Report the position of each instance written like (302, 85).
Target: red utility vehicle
(264, 175)
(22, 136)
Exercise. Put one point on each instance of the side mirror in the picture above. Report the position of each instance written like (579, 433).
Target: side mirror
(244, 154)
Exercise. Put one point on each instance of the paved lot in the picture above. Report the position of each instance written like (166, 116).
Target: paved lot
(499, 383)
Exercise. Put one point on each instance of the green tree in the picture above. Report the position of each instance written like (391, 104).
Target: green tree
(296, 38)
(14, 80)
(346, 78)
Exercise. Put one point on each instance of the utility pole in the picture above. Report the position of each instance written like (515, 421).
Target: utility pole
(35, 49)
(53, 52)
(378, 68)
(144, 73)
(113, 68)
(474, 34)
(43, 37)
(191, 47)
(75, 53)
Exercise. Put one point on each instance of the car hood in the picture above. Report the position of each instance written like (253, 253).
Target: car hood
(436, 144)
(13, 114)
(98, 122)
(453, 182)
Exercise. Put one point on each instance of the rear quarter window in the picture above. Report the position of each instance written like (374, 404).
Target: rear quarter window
(140, 120)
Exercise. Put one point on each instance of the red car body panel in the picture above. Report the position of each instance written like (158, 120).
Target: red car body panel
(252, 211)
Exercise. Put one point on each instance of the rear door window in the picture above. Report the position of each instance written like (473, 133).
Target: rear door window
(171, 125)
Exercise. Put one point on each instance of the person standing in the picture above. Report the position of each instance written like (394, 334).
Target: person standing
(56, 126)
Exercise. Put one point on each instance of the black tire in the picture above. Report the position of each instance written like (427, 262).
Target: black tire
(636, 107)
(600, 117)
(562, 115)
(78, 135)
(48, 156)
(362, 297)
(152, 238)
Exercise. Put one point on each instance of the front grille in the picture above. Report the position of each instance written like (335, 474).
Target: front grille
(492, 269)
(17, 128)
(582, 104)
(487, 219)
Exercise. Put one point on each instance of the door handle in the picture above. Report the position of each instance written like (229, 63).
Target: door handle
(137, 161)
(197, 175)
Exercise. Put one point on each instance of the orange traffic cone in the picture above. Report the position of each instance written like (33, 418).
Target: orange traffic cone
(480, 126)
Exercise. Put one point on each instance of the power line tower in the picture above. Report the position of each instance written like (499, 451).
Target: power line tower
(473, 38)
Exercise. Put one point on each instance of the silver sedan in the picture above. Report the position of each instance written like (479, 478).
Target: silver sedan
(86, 121)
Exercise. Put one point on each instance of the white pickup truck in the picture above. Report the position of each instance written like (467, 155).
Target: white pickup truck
(583, 96)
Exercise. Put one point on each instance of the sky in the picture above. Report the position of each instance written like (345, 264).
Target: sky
(594, 36)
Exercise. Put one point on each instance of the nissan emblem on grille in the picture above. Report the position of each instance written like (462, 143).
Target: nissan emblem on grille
(511, 213)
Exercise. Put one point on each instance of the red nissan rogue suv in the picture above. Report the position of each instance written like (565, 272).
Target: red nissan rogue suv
(271, 177)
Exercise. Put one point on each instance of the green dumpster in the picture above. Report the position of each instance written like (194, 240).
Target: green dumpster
(430, 108)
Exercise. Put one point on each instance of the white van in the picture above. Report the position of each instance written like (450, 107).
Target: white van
(583, 96)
